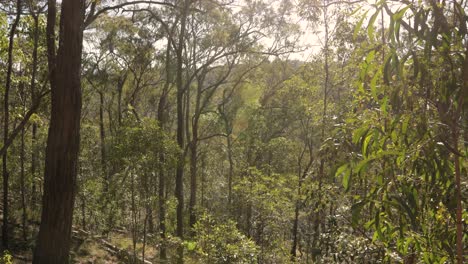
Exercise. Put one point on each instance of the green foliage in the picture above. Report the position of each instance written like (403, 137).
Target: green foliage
(7, 258)
(141, 142)
(219, 241)
(351, 154)
(396, 146)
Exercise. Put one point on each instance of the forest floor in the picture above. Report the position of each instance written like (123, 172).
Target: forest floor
(90, 249)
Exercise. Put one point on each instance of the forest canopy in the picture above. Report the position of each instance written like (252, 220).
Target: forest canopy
(234, 131)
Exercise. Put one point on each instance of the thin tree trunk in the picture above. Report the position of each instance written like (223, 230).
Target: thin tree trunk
(102, 138)
(231, 169)
(203, 180)
(193, 177)
(134, 216)
(119, 98)
(324, 118)
(295, 229)
(34, 152)
(23, 189)
(106, 176)
(162, 175)
(54, 239)
(22, 172)
(147, 218)
(6, 121)
(301, 177)
(194, 157)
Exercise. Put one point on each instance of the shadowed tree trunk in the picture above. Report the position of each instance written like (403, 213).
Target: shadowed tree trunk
(22, 171)
(6, 120)
(194, 158)
(34, 152)
(302, 174)
(63, 140)
(319, 217)
(102, 138)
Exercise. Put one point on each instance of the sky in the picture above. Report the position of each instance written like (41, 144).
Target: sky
(311, 39)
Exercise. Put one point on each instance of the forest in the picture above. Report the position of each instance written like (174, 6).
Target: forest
(234, 131)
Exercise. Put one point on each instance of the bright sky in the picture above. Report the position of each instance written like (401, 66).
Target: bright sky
(312, 37)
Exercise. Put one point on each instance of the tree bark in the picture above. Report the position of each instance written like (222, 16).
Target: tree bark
(34, 152)
(194, 157)
(301, 176)
(53, 243)
(102, 138)
(456, 136)
(179, 188)
(22, 171)
(162, 175)
(321, 175)
(6, 121)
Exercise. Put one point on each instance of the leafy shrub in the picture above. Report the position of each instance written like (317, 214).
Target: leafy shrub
(218, 242)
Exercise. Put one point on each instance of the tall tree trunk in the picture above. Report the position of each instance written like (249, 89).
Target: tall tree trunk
(120, 86)
(53, 244)
(321, 175)
(228, 130)
(194, 157)
(6, 121)
(105, 207)
(203, 180)
(22, 172)
(147, 218)
(231, 166)
(179, 188)
(162, 173)
(456, 135)
(193, 176)
(34, 152)
(134, 216)
(102, 138)
(301, 177)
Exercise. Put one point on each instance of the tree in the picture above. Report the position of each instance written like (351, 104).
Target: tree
(179, 188)
(401, 104)
(6, 124)
(53, 243)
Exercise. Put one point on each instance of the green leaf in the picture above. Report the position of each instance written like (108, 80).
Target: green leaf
(398, 15)
(384, 105)
(191, 245)
(366, 144)
(359, 133)
(391, 31)
(341, 169)
(363, 163)
(404, 126)
(370, 57)
(373, 85)
(346, 172)
(397, 31)
(387, 69)
(355, 11)
(359, 25)
(346, 179)
(370, 25)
